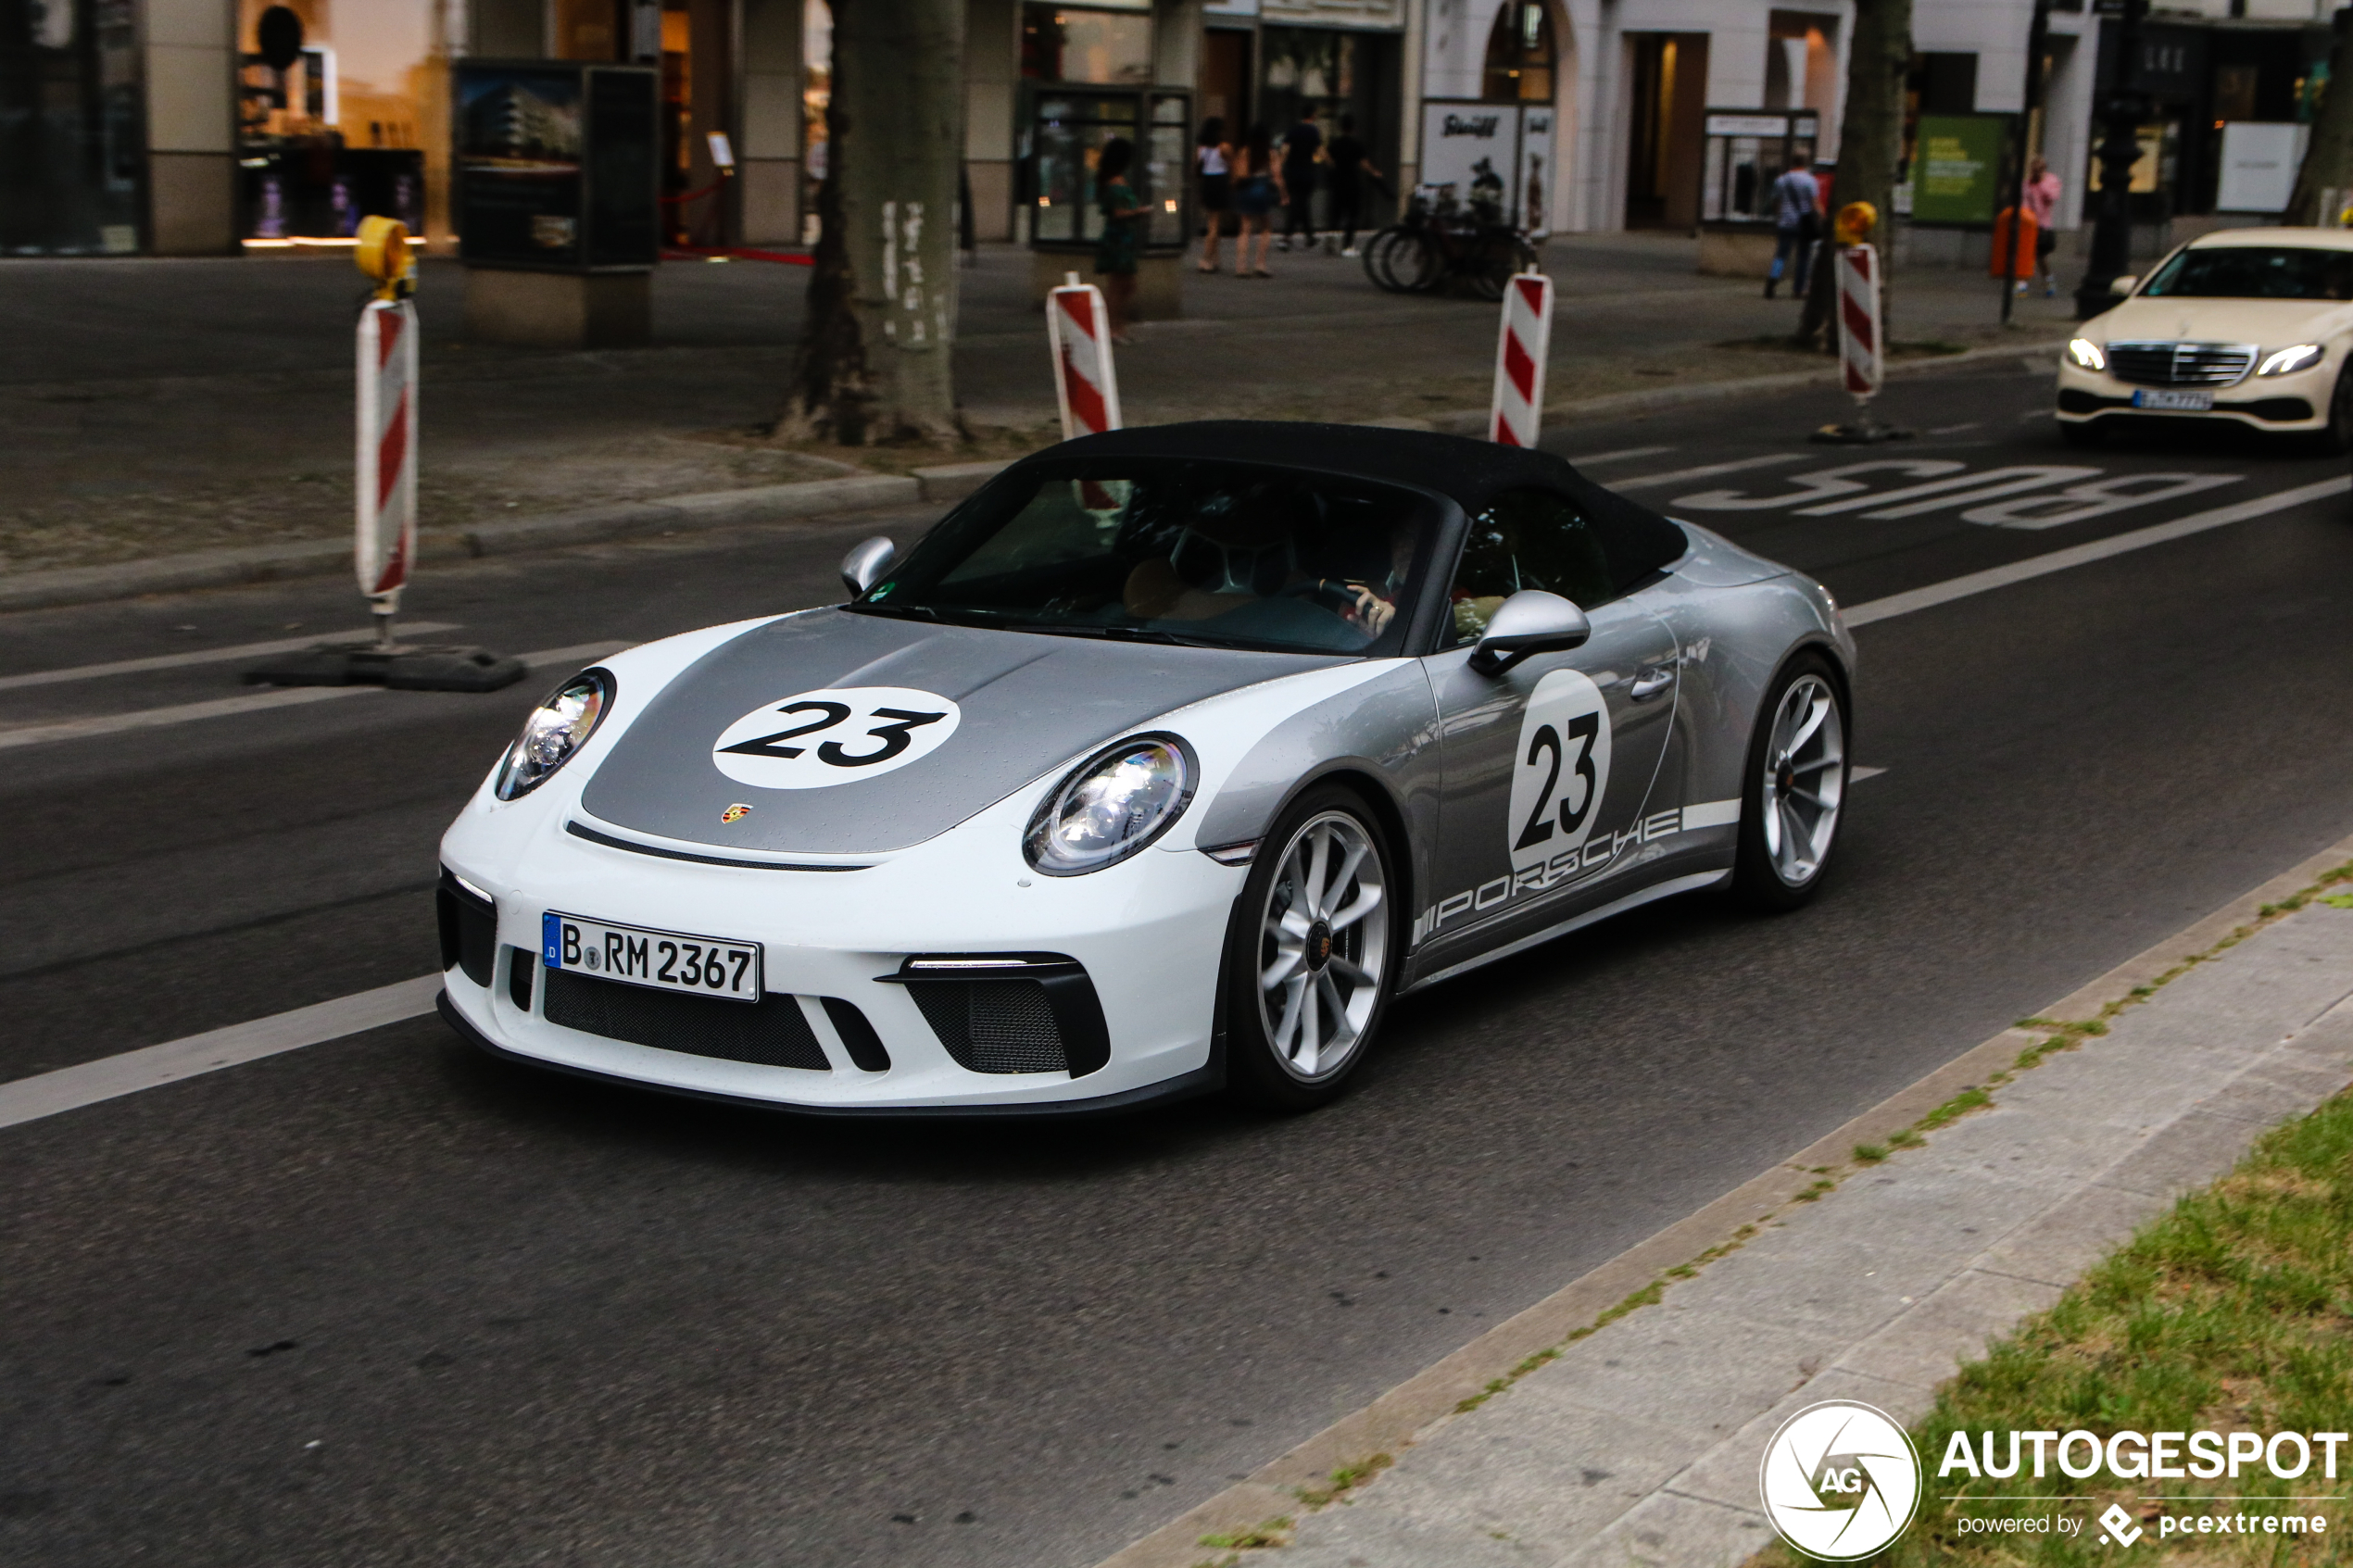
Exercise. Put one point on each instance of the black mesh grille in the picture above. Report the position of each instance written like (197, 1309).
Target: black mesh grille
(520, 965)
(770, 1031)
(994, 1025)
(2180, 364)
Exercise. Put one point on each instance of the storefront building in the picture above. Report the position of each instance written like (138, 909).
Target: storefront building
(181, 127)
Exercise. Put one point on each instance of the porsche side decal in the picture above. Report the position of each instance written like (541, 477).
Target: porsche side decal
(1564, 866)
(817, 739)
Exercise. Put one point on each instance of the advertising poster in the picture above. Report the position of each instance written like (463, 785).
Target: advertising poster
(1533, 200)
(1474, 147)
(518, 163)
(1957, 164)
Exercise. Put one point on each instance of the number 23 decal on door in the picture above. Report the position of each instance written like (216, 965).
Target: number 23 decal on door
(832, 737)
(1561, 771)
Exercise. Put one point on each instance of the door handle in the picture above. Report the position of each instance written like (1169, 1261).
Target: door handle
(1650, 682)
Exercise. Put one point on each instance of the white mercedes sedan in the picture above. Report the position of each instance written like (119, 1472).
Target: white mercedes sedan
(2247, 325)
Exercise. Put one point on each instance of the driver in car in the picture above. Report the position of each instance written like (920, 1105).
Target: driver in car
(1240, 549)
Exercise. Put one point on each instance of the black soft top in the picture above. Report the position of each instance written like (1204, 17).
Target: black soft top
(1470, 473)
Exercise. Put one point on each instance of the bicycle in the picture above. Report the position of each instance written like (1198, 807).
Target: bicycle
(1439, 239)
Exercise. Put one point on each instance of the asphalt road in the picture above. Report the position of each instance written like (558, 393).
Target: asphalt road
(383, 1300)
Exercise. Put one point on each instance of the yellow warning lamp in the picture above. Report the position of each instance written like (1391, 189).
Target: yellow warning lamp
(1854, 223)
(383, 253)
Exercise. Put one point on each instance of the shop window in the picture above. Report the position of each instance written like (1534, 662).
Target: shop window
(816, 93)
(342, 114)
(72, 132)
(1519, 54)
(1071, 44)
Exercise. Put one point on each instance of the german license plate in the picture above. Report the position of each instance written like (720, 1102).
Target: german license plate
(667, 960)
(2187, 402)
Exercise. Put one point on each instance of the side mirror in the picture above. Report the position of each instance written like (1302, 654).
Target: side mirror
(2123, 287)
(866, 560)
(1529, 622)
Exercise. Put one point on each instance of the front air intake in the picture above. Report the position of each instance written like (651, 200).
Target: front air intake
(771, 1032)
(1010, 1012)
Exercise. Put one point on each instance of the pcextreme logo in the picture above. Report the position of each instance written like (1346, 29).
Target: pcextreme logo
(1840, 1480)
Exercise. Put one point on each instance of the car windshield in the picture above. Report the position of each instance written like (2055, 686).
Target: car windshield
(2256, 272)
(1223, 555)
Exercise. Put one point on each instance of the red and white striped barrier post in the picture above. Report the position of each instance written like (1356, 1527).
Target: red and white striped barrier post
(1086, 381)
(386, 530)
(383, 541)
(1522, 342)
(1861, 354)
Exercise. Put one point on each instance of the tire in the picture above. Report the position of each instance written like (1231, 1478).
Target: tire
(1788, 832)
(1401, 261)
(2336, 438)
(1492, 265)
(1284, 1045)
(2086, 436)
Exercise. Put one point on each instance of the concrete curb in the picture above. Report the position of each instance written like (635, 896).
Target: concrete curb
(1473, 422)
(779, 503)
(1393, 1420)
(310, 558)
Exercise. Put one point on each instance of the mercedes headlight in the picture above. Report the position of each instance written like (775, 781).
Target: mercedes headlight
(2287, 361)
(557, 728)
(1111, 806)
(2086, 353)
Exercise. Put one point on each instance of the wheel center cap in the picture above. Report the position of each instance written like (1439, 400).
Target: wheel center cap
(1319, 945)
(1786, 779)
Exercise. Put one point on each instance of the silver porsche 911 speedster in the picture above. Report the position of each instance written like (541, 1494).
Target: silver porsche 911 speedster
(1160, 765)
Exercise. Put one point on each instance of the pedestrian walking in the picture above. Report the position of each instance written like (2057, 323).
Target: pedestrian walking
(2042, 201)
(1797, 222)
(1214, 161)
(1123, 238)
(1350, 168)
(1303, 149)
(1258, 186)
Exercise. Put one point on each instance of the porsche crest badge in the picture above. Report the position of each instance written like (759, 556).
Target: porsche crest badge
(735, 813)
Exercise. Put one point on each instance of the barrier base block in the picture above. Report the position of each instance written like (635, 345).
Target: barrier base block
(400, 668)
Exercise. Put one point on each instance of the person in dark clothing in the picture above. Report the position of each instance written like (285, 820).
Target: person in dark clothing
(1349, 170)
(1122, 242)
(1303, 149)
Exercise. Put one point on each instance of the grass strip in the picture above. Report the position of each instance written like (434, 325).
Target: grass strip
(2232, 1311)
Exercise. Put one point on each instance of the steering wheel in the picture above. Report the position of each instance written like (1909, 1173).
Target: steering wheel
(1326, 593)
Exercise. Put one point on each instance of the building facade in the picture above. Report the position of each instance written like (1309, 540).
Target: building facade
(203, 126)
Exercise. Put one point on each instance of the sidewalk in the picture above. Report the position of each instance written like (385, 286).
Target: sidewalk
(159, 406)
(1639, 1442)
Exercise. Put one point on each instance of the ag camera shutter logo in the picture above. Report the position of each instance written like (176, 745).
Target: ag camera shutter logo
(1840, 1480)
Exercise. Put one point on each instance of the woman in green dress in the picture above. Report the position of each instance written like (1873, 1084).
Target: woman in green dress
(1123, 241)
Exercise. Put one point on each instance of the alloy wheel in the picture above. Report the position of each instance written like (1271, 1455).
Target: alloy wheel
(1322, 950)
(1805, 779)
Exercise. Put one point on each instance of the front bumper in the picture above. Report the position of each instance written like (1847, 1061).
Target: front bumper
(1147, 935)
(2286, 404)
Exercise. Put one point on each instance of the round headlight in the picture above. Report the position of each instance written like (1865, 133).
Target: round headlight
(557, 728)
(1112, 805)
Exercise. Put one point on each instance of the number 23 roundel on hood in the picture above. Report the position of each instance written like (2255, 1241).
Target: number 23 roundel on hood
(817, 739)
(1562, 770)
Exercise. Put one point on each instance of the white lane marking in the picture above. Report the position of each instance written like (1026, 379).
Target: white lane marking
(204, 655)
(251, 702)
(1622, 453)
(2099, 549)
(1955, 430)
(69, 1088)
(18, 1104)
(1706, 470)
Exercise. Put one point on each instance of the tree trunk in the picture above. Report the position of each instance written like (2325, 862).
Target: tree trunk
(1870, 139)
(875, 354)
(2328, 159)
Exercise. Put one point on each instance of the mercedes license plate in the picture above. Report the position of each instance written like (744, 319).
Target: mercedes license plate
(2188, 402)
(667, 960)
